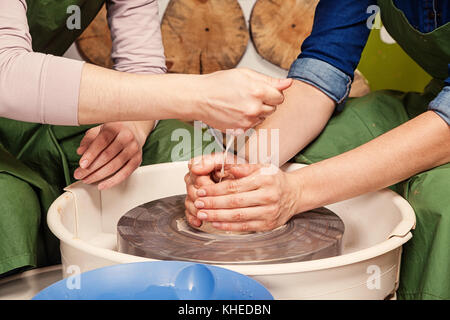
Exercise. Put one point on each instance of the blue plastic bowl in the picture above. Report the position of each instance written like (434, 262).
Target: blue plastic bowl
(159, 280)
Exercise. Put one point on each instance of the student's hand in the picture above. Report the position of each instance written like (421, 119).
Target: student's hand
(208, 173)
(239, 98)
(111, 152)
(257, 198)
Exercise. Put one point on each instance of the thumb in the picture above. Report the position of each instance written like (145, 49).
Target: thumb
(281, 84)
(89, 136)
(243, 170)
(277, 83)
(204, 165)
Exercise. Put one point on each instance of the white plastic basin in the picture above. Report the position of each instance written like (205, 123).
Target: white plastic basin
(377, 225)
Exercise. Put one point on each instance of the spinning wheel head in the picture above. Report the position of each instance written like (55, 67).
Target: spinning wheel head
(157, 230)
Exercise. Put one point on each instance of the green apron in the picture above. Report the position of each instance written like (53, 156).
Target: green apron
(425, 272)
(37, 161)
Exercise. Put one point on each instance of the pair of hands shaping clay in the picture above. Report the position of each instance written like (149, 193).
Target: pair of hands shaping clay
(217, 177)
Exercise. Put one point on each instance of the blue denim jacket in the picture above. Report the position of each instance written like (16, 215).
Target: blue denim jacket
(333, 50)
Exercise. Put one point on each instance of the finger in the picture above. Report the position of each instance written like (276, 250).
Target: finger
(111, 167)
(191, 192)
(233, 186)
(268, 111)
(244, 170)
(203, 181)
(105, 156)
(272, 97)
(190, 207)
(206, 164)
(241, 226)
(240, 200)
(277, 83)
(234, 172)
(121, 175)
(103, 139)
(89, 136)
(193, 221)
(235, 215)
(281, 84)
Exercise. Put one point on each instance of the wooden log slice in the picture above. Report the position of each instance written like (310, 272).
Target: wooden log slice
(279, 27)
(94, 44)
(203, 36)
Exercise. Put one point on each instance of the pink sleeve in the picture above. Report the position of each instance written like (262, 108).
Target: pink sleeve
(136, 36)
(34, 87)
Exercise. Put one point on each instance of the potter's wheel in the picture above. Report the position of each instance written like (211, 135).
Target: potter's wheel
(158, 230)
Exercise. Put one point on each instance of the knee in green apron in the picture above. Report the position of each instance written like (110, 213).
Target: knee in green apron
(426, 256)
(19, 223)
(362, 120)
(174, 140)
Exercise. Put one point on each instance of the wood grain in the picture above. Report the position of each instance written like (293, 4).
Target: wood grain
(95, 43)
(203, 36)
(279, 27)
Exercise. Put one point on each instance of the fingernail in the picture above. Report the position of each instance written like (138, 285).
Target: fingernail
(201, 193)
(84, 164)
(199, 204)
(77, 175)
(202, 216)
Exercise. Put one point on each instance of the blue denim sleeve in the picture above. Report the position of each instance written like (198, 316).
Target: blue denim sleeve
(441, 104)
(333, 50)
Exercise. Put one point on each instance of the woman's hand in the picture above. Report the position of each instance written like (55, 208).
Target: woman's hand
(111, 152)
(239, 98)
(257, 198)
(205, 175)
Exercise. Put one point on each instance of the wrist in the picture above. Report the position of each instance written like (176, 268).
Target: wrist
(185, 98)
(197, 101)
(300, 186)
(295, 190)
(142, 130)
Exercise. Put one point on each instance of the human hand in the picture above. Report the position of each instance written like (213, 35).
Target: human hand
(254, 198)
(208, 174)
(111, 152)
(239, 98)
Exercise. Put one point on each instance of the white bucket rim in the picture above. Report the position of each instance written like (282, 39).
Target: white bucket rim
(400, 235)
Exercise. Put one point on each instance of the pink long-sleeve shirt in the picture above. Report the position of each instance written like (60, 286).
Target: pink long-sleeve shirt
(37, 87)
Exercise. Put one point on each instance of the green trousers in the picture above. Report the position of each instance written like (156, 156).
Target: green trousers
(425, 272)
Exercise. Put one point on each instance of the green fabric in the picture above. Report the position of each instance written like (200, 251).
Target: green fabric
(430, 50)
(47, 20)
(24, 194)
(425, 272)
(38, 161)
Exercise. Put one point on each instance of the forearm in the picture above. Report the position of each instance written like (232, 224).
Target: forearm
(300, 119)
(418, 145)
(107, 96)
(136, 43)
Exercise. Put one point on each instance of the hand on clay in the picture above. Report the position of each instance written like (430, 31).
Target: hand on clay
(256, 197)
(110, 153)
(209, 176)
